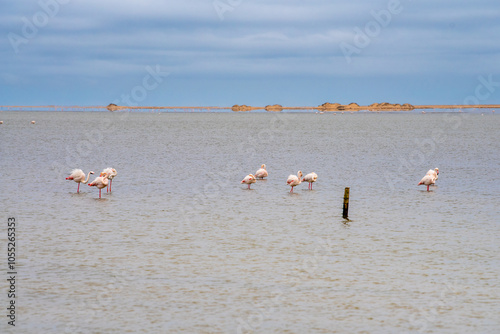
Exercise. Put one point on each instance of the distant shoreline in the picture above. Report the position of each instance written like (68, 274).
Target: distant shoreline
(334, 107)
(327, 107)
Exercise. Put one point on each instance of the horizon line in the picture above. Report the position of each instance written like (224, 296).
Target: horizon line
(248, 108)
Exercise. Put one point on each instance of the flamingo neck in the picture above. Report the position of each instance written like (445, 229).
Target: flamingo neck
(87, 179)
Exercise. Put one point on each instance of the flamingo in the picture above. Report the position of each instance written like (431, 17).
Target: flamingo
(427, 180)
(111, 175)
(261, 173)
(294, 180)
(249, 179)
(434, 172)
(100, 182)
(311, 177)
(78, 176)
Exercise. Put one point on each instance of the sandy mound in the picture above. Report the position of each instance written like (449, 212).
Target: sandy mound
(327, 106)
(113, 107)
(390, 106)
(242, 107)
(374, 106)
(274, 107)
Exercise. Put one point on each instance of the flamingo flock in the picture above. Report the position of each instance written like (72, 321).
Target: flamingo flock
(292, 180)
(259, 174)
(104, 179)
(429, 179)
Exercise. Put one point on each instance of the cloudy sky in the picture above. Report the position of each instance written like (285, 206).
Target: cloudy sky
(254, 52)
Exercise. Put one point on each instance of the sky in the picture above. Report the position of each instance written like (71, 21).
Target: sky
(253, 52)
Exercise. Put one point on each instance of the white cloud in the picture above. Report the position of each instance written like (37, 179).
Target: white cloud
(106, 39)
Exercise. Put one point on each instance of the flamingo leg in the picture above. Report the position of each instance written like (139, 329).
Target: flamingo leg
(110, 183)
(427, 188)
(78, 189)
(99, 193)
(248, 186)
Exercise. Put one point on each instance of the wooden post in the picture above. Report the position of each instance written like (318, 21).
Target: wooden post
(345, 210)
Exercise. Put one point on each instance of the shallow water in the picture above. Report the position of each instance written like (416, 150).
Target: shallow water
(180, 246)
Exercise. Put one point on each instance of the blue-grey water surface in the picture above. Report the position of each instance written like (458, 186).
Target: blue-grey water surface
(180, 246)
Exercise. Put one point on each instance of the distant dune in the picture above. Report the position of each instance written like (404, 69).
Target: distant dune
(325, 107)
(384, 106)
(374, 107)
(113, 107)
(243, 107)
(274, 107)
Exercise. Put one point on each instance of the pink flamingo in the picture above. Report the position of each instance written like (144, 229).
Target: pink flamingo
(100, 182)
(111, 175)
(434, 172)
(294, 180)
(311, 177)
(249, 179)
(262, 172)
(78, 176)
(427, 180)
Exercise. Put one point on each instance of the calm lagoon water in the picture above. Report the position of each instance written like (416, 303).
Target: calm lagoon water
(180, 246)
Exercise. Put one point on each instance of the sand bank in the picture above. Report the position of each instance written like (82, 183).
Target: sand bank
(325, 107)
